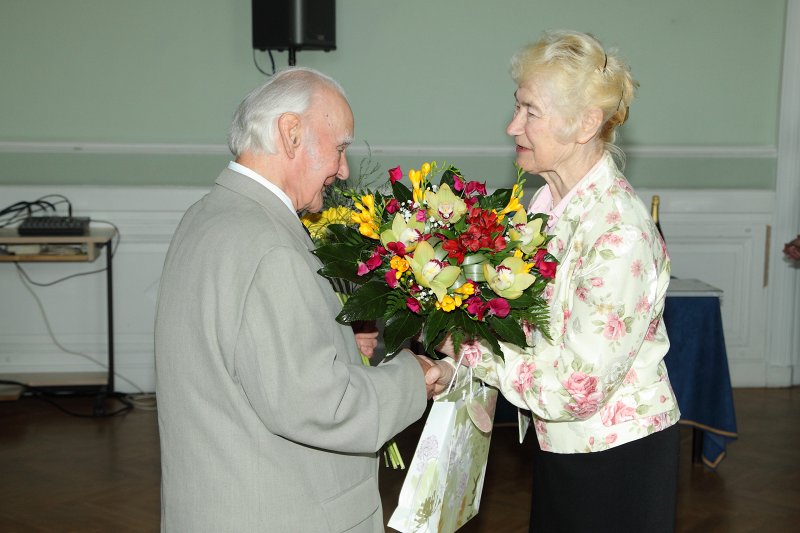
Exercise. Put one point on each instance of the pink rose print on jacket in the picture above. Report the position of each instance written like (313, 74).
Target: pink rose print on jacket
(643, 305)
(583, 390)
(651, 329)
(617, 413)
(631, 377)
(614, 328)
(524, 379)
(636, 269)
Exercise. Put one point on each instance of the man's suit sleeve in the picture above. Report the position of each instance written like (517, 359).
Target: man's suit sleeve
(287, 363)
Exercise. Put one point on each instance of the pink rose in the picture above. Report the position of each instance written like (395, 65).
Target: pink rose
(470, 354)
(656, 422)
(391, 278)
(363, 269)
(636, 268)
(524, 379)
(581, 293)
(421, 216)
(395, 174)
(583, 389)
(548, 292)
(413, 304)
(631, 376)
(651, 330)
(392, 206)
(616, 413)
(614, 328)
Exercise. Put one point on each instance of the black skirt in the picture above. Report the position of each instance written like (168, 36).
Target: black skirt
(629, 488)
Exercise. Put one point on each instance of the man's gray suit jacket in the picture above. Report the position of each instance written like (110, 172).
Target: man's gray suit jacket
(268, 420)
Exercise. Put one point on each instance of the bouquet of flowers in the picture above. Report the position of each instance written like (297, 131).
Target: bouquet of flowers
(433, 259)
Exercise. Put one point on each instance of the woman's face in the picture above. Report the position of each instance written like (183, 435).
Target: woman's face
(536, 128)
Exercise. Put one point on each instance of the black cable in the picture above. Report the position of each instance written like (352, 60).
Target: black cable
(255, 62)
(43, 395)
(21, 210)
(69, 204)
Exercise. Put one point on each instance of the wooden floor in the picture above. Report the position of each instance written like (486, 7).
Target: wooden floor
(60, 473)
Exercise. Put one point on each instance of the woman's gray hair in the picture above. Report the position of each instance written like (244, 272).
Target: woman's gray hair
(255, 122)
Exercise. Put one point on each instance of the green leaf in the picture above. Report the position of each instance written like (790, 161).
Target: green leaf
(509, 330)
(448, 177)
(344, 234)
(401, 192)
(437, 323)
(369, 302)
(338, 252)
(400, 327)
(497, 200)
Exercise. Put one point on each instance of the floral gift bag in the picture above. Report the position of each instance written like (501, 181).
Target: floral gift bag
(442, 489)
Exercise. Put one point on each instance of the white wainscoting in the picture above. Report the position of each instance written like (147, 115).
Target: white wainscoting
(717, 236)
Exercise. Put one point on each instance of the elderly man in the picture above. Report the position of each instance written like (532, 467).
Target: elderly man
(268, 419)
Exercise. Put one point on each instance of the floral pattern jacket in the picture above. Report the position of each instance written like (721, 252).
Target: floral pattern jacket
(601, 380)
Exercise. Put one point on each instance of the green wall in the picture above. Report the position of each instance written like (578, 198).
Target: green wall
(133, 83)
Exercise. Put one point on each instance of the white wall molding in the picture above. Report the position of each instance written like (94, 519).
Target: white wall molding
(784, 311)
(360, 149)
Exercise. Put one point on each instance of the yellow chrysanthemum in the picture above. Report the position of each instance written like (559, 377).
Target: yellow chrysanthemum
(449, 303)
(467, 289)
(317, 223)
(399, 264)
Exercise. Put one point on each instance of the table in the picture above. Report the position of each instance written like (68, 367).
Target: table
(67, 248)
(697, 363)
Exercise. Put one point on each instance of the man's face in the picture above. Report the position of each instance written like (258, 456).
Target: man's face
(328, 131)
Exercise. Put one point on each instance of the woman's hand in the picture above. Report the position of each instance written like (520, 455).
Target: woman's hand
(367, 342)
(447, 347)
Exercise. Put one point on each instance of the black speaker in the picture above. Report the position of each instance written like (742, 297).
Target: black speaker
(294, 25)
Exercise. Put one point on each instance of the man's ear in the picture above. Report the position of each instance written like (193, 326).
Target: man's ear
(289, 130)
(590, 124)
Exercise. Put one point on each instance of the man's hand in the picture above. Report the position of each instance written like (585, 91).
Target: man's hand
(438, 374)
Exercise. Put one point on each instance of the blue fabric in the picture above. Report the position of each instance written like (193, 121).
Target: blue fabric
(698, 369)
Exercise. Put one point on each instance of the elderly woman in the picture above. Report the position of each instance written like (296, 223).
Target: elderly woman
(602, 405)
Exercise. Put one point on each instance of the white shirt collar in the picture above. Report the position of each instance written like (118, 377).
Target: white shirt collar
(261, 180)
